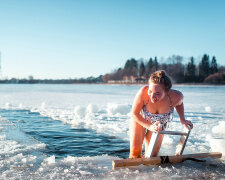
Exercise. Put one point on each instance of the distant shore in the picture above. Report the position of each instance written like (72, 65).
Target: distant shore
(103, 83)
(215, 79)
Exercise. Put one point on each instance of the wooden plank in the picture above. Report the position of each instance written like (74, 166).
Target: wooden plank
(162, 159)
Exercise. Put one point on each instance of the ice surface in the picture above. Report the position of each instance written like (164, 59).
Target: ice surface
(219, 129)
(106, 110)
(208, 109)
(122, 109)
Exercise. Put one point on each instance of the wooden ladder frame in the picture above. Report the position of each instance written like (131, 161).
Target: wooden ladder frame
(180, 147)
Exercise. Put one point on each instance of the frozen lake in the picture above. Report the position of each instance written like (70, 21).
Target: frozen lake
(75, 131)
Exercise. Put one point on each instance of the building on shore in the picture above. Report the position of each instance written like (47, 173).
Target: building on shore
(129, 80)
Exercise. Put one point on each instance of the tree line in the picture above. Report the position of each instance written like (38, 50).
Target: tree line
(139, 71)
(207, 70)
(31, 80)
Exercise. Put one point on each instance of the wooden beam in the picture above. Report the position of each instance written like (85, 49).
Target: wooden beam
(162, 159)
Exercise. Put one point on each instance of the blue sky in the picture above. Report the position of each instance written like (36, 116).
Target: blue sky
(81, 38)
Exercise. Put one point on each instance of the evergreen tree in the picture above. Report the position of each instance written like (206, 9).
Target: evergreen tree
(204, 68)
(190, 72)
(156, 64)
(127, 64)
(148, 69)
(132, 63)
(177, 69)
(131, 67)
(213, 66)
(142, 69)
